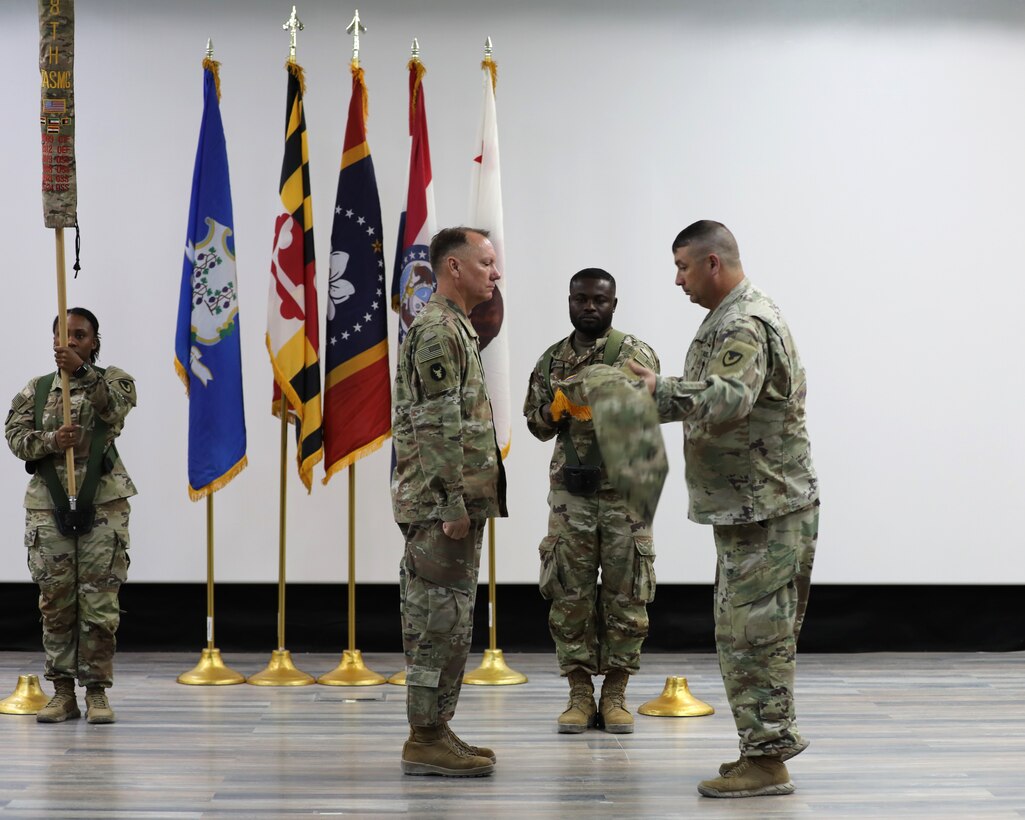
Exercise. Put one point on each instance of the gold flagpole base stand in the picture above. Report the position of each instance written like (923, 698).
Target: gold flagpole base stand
(211, 671)
(280, 672)
(399, 678)
(351, 671)
(494, 671)
(676, 701)
(27, 698)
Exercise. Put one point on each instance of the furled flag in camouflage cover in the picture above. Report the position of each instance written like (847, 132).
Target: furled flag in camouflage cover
(57, 112)
(626, 428)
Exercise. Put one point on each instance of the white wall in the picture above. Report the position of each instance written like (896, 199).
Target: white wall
(869, 158)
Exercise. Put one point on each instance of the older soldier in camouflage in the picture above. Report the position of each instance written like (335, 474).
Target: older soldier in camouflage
(597, 630)
(750, 475)
(448, 481)
(79, 576)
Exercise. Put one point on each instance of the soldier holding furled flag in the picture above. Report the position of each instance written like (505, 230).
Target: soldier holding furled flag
(64, 429)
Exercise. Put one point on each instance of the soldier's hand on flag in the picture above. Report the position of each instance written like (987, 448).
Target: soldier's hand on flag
(647, 375)
(457, 529)
(67, 359)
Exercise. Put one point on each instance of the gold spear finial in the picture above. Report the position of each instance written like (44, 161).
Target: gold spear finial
(488, 50)
(292, 25)
(209, 48)
(355, 27)
(414, 51)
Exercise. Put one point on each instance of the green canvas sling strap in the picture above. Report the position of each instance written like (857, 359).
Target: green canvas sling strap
(80, 520)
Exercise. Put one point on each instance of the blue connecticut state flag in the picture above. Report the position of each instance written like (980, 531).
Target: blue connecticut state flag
(207, 353)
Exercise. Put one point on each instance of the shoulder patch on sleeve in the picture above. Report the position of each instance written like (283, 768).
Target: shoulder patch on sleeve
(429, 351)
(734, 356)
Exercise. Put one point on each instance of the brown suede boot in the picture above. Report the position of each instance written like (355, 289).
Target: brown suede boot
(786, 754)
(475, 751)
(754, 777)
(581, 713)
(97, 708)
(615, 717)
(428, 751)
(62, 705)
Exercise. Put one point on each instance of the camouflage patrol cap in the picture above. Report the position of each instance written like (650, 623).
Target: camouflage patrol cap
(627, 430)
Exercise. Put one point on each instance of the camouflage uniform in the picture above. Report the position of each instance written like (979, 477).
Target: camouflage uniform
(447, 465)
(750, 475)
(79, 578)
(594, 632)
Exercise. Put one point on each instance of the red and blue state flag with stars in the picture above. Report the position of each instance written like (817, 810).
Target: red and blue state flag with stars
(357, 399)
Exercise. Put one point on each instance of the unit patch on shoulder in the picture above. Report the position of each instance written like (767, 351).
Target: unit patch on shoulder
(438, 372)
(735, 355)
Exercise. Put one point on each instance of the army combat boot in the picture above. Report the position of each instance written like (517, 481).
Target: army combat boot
(428, 751)
(62, 705)
(97, 709)
(615, 717)
(785, 754)
(581, 713)
(753, 777)
(475, 751)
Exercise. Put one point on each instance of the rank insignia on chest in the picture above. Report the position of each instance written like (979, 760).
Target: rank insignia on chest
(437, 372)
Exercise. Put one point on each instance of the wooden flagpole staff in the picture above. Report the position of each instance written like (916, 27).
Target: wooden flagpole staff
(60, 186)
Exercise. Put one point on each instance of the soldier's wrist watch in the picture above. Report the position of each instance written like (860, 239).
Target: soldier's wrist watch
(82, 371)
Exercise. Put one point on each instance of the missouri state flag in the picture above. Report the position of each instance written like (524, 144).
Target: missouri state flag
(357, 388)
(489, 318)
(412, 277)
(207, 353)
(293, 330)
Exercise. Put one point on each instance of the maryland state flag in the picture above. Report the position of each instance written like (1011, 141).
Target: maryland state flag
(412, 277)
(293, 331)
(489, 319)
(207, 353)
(357, 398)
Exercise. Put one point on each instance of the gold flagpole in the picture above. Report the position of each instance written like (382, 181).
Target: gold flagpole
(281, 671)
(493, 671)
(210, 671)
(351, 670)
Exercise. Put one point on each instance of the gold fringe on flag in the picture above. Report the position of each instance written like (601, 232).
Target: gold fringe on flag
(296, 71)
(183, 374)
(355, 456)
(420, 71)
(217, 484)
(561, 404)
(215, 68)
(357, 75)
(492, 67)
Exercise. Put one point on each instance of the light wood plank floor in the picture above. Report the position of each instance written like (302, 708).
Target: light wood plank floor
(893, 736)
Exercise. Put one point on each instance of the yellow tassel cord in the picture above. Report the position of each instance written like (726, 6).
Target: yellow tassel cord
(217, 484)
(296, 71)
(355, 456)
(561, 404)
(214, 67)
(491, 66)
(357, 75)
